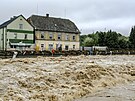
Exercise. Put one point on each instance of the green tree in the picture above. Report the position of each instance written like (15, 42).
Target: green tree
(123, 42)
(95, 38)
(88, 42)
(112, 39)
(132, 37)
(82, 38)
(101, 38)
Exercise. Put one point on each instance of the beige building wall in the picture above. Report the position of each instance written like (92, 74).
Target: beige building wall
(43, 43)
(39, 43)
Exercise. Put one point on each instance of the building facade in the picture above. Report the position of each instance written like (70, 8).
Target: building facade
(53, 33)
(16, 34)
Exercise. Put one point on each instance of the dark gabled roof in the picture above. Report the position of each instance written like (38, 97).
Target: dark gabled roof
(8, 22)
(45, 23)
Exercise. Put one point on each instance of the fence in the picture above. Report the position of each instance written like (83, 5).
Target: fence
(8, 54)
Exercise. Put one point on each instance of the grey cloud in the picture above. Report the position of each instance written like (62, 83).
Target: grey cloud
(88, 15)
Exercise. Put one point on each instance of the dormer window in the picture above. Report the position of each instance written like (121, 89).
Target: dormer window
(20, 26)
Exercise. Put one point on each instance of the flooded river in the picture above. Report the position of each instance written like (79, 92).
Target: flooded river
(68, 78)
(118, 93)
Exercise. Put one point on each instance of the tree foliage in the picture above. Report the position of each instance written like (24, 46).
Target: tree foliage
(111, 39)
(89, 42)
(132, 37)
(82, 38)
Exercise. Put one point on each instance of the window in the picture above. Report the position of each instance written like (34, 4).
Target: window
(15, 46)
(15, 35)
(26, 36)
(73, 46)
(66, 47)
(12, 46)
(67, 37)
(42, 47)
(59, 36)
(59, 46)
(50, 47)
(51, 36)
(42, 35)
(20, 26)
(73, 37)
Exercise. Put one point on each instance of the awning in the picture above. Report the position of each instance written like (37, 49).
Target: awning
(21, 44)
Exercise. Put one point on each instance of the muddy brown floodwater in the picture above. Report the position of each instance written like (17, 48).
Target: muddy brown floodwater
(119, 93)
(67, 78)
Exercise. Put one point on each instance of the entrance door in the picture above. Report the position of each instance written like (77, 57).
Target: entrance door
(66, 47)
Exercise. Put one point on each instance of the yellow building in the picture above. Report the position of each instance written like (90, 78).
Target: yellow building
(53, 33)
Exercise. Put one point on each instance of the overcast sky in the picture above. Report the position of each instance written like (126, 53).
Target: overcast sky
(89, 15)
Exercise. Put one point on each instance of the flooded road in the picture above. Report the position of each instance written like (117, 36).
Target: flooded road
(118, 93)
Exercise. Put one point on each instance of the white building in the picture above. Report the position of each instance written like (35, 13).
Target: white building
(16, 34)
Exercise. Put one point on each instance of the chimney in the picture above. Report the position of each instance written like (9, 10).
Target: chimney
(47, 15)
(12, 17)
